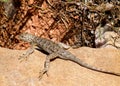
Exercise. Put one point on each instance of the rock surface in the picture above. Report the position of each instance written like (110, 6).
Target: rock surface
(61, 72)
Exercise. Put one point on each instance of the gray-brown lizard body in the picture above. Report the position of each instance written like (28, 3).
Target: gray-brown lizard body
(55, 50)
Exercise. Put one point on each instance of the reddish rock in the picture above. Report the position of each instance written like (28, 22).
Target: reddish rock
(61, 72)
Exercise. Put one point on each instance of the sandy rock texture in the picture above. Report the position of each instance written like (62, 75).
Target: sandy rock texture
(61, 72)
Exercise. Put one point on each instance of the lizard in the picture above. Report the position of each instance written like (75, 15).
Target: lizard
(54, 50)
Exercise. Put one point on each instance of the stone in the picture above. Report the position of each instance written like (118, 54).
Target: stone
(13, 72)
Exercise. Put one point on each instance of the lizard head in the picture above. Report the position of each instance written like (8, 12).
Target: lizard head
(26, 37)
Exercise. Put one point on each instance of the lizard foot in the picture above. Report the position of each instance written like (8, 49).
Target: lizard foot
(23, 57)
(41, 73)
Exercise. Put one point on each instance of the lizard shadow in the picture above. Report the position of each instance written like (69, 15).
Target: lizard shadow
(44, 52)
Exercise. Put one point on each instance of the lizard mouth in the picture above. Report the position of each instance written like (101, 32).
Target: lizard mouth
(22, 36)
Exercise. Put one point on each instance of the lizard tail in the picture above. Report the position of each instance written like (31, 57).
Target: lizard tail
(80, 62)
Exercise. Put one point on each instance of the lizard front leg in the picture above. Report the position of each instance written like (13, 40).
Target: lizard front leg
(28, 52)
(47, 64)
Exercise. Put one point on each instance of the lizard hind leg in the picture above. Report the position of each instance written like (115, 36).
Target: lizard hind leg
(47, 64)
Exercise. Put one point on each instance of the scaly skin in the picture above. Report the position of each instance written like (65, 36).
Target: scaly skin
(55, 50)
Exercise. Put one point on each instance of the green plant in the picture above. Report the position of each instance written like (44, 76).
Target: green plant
(4, 0)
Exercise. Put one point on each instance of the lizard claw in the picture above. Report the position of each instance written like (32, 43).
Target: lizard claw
(23, 57)
(41, 73)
